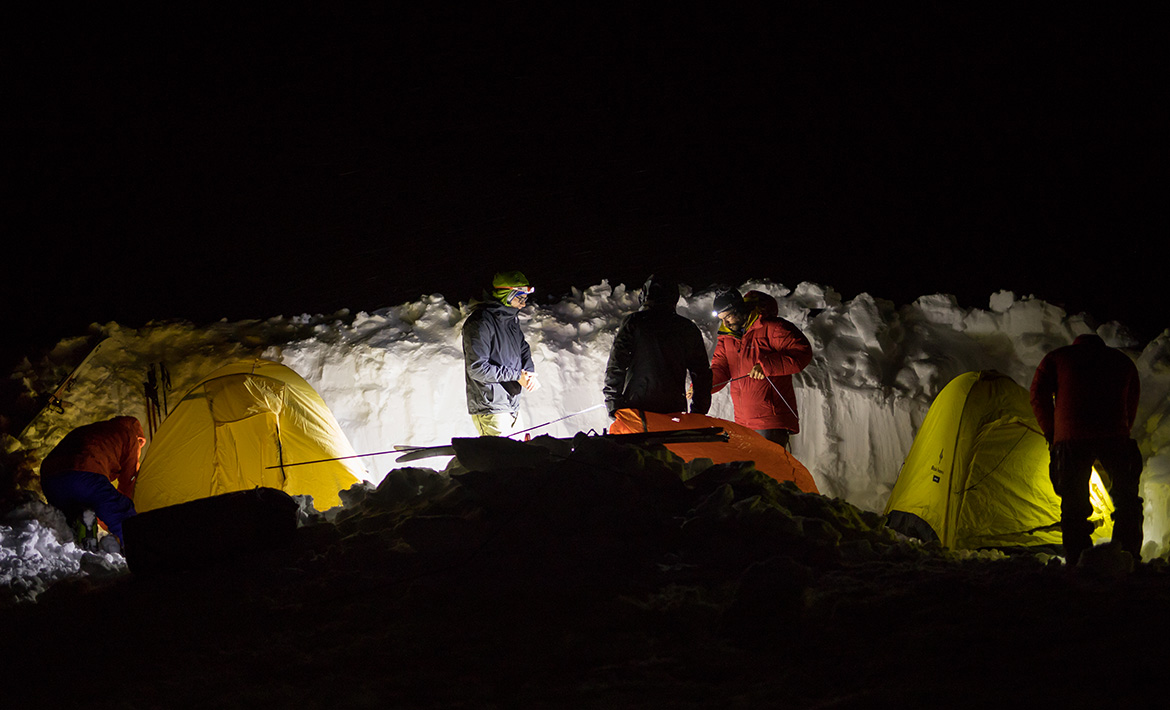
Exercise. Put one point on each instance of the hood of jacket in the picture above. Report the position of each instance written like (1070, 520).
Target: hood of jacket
(660, 294)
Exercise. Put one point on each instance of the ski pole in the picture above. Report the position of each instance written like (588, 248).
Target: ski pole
(336, 458)
(400, 450)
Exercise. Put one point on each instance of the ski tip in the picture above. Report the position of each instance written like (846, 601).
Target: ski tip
(425, 452)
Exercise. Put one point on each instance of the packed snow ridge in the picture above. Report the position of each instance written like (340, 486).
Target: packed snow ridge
(395, 376)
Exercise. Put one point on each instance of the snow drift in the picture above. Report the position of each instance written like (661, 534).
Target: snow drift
(395, 376)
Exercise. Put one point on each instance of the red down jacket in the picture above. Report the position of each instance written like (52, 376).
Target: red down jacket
(1086, 390)
(782, 351)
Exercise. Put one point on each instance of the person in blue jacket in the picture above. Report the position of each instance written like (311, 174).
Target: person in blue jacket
(497, 360)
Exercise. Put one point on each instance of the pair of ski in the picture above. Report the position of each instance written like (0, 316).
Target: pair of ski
(408, 453)
(56, 401)
(157, 384)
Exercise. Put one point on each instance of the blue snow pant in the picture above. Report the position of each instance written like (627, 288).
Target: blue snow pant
(74, 491)
(1070, 469)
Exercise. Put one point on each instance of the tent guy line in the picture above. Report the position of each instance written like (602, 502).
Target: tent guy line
(401, 448)
(407, 448)
(770, 382)
(554, 421)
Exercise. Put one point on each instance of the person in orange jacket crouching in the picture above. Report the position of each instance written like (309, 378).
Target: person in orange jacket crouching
(79, 473)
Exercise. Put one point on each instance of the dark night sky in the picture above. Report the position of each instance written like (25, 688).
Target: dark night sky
(241, 164)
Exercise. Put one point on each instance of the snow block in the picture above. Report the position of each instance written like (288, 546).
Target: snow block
(207, 531)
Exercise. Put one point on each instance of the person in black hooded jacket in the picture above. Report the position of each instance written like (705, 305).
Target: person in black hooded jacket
(654, 350)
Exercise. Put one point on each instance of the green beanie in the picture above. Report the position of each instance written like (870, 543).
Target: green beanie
(505, 282)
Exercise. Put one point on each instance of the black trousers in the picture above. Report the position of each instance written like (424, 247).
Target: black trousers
(1070, 469)
(778, 436)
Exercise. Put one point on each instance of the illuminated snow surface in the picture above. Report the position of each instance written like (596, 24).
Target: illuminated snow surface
(603, 580)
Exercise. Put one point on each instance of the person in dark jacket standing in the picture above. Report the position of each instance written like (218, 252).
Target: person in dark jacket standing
(757, 353)
(1085, 397)
(652, 354)
(497, 360)
(79, 472)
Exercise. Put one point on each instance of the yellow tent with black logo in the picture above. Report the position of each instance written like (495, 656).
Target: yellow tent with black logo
(976, 475)
(237, 429)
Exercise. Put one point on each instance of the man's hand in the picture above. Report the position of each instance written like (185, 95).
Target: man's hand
(528, 381)
(757, 372)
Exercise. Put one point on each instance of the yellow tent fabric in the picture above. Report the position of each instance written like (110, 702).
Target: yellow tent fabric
(977, 472)
(229, 431)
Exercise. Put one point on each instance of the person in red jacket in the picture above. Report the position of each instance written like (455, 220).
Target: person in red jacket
(757, 353)
(80, 472)
(1085, 397)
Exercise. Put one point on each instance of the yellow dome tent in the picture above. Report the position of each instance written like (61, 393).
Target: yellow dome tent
(236, 429)
(976, 475)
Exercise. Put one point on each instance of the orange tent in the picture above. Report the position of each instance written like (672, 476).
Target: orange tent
(744, 444)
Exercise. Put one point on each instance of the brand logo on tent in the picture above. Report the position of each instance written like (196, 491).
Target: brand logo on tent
(935, 467)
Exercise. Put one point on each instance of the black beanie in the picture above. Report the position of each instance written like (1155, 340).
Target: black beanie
(726, 299)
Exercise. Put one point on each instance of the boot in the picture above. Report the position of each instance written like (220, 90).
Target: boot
(85, 531)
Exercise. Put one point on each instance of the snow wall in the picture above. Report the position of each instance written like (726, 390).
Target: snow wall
(395, 376)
